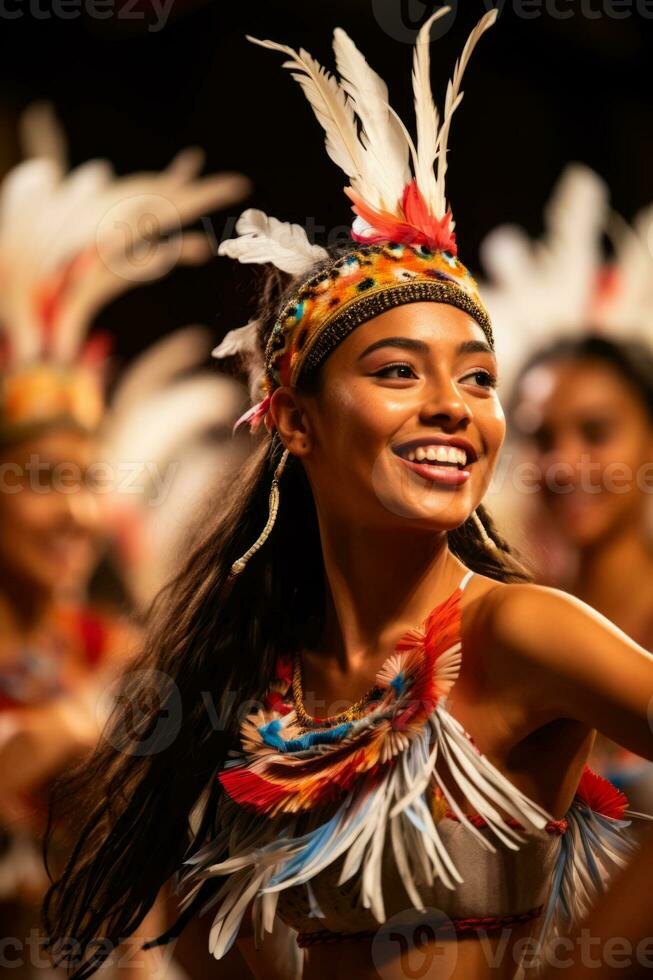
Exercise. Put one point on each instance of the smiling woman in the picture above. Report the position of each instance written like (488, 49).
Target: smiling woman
(397, 766)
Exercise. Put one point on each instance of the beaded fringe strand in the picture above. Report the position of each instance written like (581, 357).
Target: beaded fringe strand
(273, 507)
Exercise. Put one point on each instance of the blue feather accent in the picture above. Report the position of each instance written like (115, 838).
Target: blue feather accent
(398, 683)
(270, 735)
(319, 840)
(414, 819)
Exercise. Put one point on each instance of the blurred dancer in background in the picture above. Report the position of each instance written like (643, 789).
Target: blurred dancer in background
(581, 409)
(64, 253)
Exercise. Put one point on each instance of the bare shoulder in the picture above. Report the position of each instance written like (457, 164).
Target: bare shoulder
(537, 621)
(554, 657)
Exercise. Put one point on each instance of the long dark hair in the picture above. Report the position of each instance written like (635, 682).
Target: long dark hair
(209, 640)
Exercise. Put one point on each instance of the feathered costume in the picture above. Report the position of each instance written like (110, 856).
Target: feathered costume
(339, 827)
(336, 824)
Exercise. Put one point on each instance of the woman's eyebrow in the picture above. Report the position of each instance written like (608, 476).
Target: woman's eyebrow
(474, 347)
(407, 343)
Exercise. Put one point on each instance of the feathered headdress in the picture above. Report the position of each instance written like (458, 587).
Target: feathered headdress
(403, 243)
(70, 243)
(565, 283)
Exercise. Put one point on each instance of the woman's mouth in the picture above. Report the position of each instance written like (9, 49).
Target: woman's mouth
(444, 464)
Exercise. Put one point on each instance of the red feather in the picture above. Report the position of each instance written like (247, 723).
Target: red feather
(601, 796)
(419, 228)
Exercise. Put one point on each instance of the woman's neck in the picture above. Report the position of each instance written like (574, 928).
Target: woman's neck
(379, 584)
(614, 577)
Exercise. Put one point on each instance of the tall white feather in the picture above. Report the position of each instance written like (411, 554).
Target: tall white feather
(330, 105)
(426, 112)
(452, 100)
(266, 239)
(387, 169)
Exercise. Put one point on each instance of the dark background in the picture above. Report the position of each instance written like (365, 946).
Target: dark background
(541, 90)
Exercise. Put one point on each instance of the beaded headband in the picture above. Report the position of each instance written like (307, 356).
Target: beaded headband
(403, 244)
(42, 395)
(355, 288)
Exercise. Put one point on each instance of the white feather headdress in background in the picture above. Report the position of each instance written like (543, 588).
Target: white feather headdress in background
(167, 441)
(567, 282)
(537, 289)
(72, 241)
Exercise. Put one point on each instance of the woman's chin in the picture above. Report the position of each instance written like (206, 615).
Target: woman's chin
(443, 503)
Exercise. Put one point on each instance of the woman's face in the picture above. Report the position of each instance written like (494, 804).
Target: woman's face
(406, 424)
(591, 442)
(48, 511)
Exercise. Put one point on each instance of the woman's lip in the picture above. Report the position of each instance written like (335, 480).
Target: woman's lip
(449, 475)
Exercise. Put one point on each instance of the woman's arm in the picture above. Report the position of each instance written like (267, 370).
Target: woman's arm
(278, 957)
(568, 661)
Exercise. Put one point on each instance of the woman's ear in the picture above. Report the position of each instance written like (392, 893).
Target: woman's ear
(290, 420)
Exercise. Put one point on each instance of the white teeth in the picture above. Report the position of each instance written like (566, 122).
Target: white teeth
(438, 453)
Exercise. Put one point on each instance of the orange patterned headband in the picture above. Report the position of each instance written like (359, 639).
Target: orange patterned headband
(352, 289)
(41, 395)
(357, 287)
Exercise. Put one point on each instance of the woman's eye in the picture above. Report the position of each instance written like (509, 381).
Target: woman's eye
(596, 431)
(483, 378)
(399, 366)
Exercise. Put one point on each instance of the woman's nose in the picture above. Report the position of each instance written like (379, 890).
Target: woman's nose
(564, 459)
(445, 403)
(83, 508)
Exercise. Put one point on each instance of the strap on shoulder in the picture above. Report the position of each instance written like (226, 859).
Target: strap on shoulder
(465, 579)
